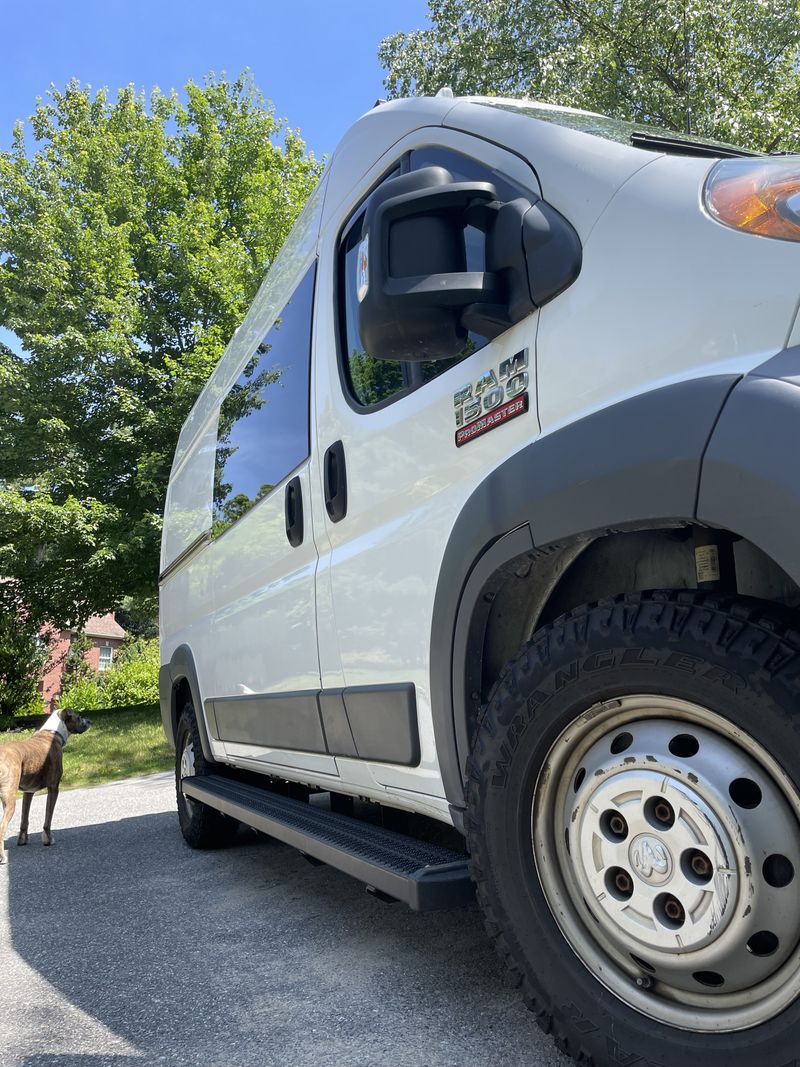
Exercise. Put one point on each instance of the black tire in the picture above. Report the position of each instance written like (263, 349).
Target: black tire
(202, 827)
(694, 645)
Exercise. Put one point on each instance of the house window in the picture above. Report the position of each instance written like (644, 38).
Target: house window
(106, 657)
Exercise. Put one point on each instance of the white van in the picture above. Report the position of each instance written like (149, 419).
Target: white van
(489, 513)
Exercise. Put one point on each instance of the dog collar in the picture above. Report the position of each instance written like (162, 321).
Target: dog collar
(54, 725)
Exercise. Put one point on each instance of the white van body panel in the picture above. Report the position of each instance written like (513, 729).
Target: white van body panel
(598, 345)
(578, 173)
(264, 631)
(371, 137)
(354, 605)
(412, 483)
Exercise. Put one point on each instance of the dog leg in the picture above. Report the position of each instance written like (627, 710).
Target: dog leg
(8, 812)
(22, 838)
(52, 797)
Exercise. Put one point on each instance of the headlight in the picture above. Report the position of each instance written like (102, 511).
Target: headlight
(759, 196)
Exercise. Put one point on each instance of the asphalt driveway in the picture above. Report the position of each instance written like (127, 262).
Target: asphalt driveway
(121, 946)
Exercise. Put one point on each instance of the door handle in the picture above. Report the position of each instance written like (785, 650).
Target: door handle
(293, 502)
(335, 478)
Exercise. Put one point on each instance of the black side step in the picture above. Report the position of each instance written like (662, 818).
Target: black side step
(424, 875)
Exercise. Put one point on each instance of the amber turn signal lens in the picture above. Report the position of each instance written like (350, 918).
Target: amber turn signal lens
(756, 195)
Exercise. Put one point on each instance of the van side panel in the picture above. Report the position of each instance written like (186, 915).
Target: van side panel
(187, 596)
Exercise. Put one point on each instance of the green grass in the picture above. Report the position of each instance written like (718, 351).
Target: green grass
(119, 744)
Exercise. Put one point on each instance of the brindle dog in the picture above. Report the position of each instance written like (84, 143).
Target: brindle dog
(32, 765)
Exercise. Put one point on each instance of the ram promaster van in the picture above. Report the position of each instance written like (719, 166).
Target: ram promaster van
(490, 514)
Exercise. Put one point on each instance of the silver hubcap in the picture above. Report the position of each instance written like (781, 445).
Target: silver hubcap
(667, 842)
(187, 768)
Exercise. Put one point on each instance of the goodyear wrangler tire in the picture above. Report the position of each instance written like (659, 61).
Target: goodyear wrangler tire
(634, 825)
(201, 826)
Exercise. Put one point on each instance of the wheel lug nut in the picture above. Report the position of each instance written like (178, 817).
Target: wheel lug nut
(673, 910)
(619, 883)
(669, 911)
(659, 813)
(623, 882)
(696, 866)
(700, 865)
(614, 825)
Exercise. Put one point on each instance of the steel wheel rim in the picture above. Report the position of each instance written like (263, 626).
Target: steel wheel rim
(187, 769)
(608, 886)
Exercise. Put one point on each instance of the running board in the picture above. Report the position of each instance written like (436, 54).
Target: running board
(425, 876)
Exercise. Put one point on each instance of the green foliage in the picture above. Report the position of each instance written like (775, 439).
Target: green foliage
(730, 71)
(76, 666)
(374, 379)
(133, 679)
(34, 707)
(22, 657)
(82, 695)
(132, 240)
(139, 616)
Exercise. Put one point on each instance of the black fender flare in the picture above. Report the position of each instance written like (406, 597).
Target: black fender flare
(179, 669)
(751, 473)
(636, 462)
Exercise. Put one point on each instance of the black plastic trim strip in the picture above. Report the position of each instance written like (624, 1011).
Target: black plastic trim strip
(377, 723)
(750, 481)
(274, 720)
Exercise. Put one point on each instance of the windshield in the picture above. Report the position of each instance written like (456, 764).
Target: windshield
(602, 126)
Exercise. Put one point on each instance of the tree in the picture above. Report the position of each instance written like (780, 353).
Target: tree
(132, 240)
(76, 665)
(22, 658)
(725, 70)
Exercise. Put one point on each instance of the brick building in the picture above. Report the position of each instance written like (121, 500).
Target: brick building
(106, 636)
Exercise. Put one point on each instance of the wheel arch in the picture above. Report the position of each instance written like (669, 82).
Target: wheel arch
(631, 469)
(176, 680)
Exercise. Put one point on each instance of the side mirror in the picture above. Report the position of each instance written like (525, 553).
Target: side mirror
(417, 300)
(412, 266)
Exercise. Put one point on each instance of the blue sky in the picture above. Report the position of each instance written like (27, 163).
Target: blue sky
(316, 60)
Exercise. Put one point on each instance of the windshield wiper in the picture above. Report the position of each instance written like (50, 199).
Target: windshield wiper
(659, 142)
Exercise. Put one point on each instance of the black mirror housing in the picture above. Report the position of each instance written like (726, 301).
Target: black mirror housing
(413, 281)
(417, 300)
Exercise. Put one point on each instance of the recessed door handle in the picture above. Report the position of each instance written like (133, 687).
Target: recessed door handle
(335, 478)
(294, 512)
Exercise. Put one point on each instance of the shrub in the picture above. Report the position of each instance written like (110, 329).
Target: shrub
(35, 706)
(134, 677)
(83, 695)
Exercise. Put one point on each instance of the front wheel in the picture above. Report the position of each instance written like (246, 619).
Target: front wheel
(201, 826)
(635, 830)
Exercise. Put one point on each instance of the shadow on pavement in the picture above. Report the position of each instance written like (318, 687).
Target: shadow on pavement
(252, 956)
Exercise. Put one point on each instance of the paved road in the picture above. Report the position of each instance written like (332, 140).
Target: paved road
(121, 946)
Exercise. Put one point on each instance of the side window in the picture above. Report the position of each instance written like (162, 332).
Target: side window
(373, 382)
(263, 430)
